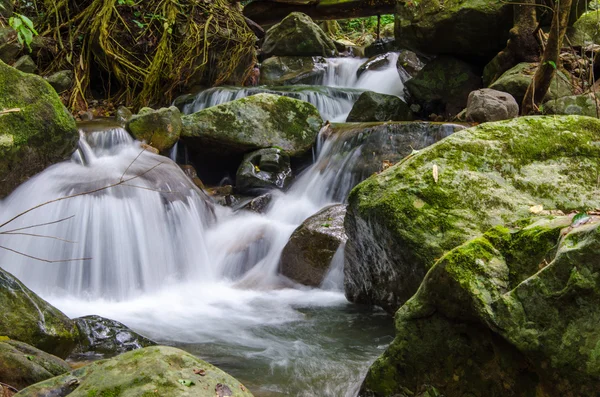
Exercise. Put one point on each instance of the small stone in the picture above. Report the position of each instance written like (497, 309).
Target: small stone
(61, 81)
(26, 65)
(490, 105)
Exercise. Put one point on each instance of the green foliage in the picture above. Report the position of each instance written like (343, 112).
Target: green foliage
(363, 30)
(24, 28)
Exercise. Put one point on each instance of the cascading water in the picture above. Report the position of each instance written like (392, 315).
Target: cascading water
(333, 94)
(172, 265)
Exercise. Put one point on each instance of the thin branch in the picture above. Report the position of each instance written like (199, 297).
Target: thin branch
(42, 259)
(130, 164)
(7, 111)
(39, 224)
(9, 387)
(151, 189)
(39, 235)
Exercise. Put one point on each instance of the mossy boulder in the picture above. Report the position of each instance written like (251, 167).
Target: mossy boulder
(159, 128)
(460, 27)
(99, 336)
(403, 219)
(443, 86)
(582, 105)
(22, 365)
(28, 318)
(41, 133)
(152, 371)
(513, 312)
(307, 255)
(516, 80)
(255, 122)
(298, 35)
(586, 30)
(290, 70)
(263, 169)
(372, 106)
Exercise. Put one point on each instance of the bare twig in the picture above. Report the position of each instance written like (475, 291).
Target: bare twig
(7, 111)
(42, 259)
(39, 224)
(38, 235)
(130, 164)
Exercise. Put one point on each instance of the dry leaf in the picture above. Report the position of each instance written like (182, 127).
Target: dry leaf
(435, 173)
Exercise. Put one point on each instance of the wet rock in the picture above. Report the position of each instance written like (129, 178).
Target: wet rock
(443, 86)
(490, 105)
(511, 311)
(123, 115)
(25, 64)
(516, 80)
(290, 70)
(308, 254)
(22, 365)
(264, 169)
(377, 62)
(9, 45)
(191, 173)
(61, 81)
(251, 123)
(298, 35)
(372, 106)
(409, 63)
(258, 204)
(41, 133)
(403, 219)
(159, 128)
(459, 27)
(103, 337)
(160, 370)
(28, 318)
(582, 105)
(381, 46)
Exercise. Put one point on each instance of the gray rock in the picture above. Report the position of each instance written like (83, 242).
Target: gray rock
(490, 105)
(409, 63)
(103, 337)
(264, 169)
(160, 128)
(376, 62)
(582, 105)
(123, 115)
(372, 106)
(258, 204)
(298, 35)
(26, 65)
(308, 254)
(61, 81)
(290, 70)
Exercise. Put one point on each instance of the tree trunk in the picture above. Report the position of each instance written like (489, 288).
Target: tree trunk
(549, 63)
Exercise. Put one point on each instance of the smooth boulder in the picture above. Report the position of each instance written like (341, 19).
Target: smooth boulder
(490, 105)
(152, 371)
(298, 35)
(476, 28)
(36, 130)
(22, 365)
(513, 312)
(403, 219)
(372, 106)
(290, 70)
(442, 87)
(256, 122)
(159, 128)
(263, 170)
(308, 254)
(28, 318)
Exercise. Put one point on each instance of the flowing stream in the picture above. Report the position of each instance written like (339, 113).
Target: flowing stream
(173, 266)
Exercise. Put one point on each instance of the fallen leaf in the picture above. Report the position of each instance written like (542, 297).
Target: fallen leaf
(186, 382)
(200, 372)
(435, 173)
(536, 209)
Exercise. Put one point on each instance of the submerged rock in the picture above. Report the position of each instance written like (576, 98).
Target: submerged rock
(264, 169)
(258, 204)
(290, 70)
(251, 123)
(490, 105)
(458, 27)
(105, 337)
(37, 130)
(443, 86)
(516, 80)
(400, 221)
(507, 313)
(372, 106)
(308, 254)
(22, 365)
(160, 370)
(298, 35)
(159, 128)
(28, 318)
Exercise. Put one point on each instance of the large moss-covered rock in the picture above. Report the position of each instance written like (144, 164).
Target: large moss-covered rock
(152, 371)
(400, 221)
(307, 255)
(298, 35)
(372, 106)
(586, 30)
(509, 313)
(582, 105)
(28, 318)
(159, 128)
(516, 80)
(40, 133)
(263, 170)
(22, 365)
(443, 86)
(251, 123)
(458, 27)
(289, 70)
(101, 336)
